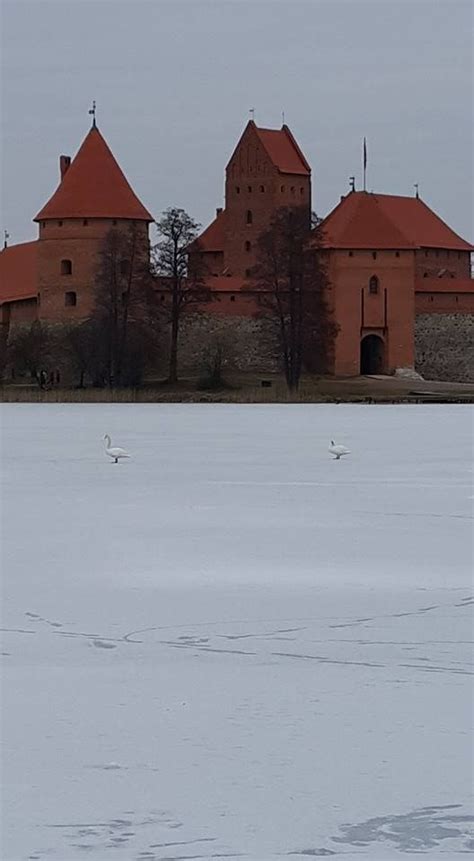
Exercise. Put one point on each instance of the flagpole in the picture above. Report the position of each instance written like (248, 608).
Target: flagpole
(365, 163)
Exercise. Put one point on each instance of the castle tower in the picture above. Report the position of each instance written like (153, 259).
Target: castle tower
(266, 172)
(92, 198)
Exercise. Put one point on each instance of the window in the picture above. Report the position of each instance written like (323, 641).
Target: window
(124, 297)
(125, 267)
(248, 273)
(374, 284)
(38, 298)
(162, 297)
(292, 189)
(262, 188)
(43, 224)
(66, 267)
(237, 189)
(60, 224)
(282, 188)
(374, 255)
(301, 190)
(351, 254)
(85, 222)
(248, 246)
(425, 275)
(114, 222)
(426, 253)
(397, 254)
(456, 299)
(70, 298)
(232, 298)
(249, 216)
(249, 189)
(431, 298)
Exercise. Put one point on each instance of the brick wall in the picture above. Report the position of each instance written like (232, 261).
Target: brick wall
(387, 313)
(78, 241)
(430, 261)
(254, 185)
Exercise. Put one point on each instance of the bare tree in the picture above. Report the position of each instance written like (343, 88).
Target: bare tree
(124, 309)
(182, 289)
(87, 352)
(30, 350)
(291, 280)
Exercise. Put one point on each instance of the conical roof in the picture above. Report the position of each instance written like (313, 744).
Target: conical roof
(94, 186)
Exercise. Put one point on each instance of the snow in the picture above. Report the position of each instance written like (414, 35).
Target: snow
(232, 645)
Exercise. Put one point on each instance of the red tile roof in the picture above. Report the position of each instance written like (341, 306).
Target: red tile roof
(212, 238)
(283, 150)
(94, 187)
(18, 272)
(363, 220)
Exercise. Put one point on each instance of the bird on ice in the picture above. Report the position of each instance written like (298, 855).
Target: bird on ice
(338, 450)
(113, 451)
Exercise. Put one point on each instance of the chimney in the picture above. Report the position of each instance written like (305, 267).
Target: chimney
(218, 210)
(64, 162)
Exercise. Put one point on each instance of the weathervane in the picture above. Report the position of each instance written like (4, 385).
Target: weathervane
(252, 114)
(92, 113)
(6, 238)
(283, 118)
(415, 186)
(352, 183)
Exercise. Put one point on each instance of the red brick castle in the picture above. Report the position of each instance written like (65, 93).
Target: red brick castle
(400, 290)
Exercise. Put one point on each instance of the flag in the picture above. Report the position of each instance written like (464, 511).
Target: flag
(365, 153)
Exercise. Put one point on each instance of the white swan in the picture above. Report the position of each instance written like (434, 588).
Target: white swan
(115, 453)
(338, 450)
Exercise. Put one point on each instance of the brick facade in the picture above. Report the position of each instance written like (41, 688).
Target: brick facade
(393, 265)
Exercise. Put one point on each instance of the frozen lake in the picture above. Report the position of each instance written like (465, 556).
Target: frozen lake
(232, 645)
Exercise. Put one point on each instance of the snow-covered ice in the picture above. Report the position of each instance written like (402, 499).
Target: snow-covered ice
(232, 645)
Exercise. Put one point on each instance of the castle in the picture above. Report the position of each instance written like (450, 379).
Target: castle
(400, 289)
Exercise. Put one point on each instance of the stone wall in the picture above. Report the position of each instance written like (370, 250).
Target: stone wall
(444, 345)
(248, 344)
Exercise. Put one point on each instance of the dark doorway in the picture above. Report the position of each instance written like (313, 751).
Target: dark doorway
(372, 359)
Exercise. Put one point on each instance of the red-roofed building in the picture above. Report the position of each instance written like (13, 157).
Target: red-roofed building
(400, 278)
(266, 171)
(380, 247)
(19, 283)
(56, 273)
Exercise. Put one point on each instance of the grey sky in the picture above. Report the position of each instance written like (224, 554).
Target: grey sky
(174, 82)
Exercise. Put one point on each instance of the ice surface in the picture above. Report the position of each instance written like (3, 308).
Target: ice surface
(232, 645)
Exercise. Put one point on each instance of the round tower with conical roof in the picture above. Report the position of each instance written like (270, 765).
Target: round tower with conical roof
(93, 197)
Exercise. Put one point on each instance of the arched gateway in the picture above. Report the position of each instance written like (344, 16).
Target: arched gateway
(372, 355)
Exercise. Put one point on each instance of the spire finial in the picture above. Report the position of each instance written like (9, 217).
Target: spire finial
(252, 114)
(92, 113)
(416, 187)
(352, 183)
(6, 237)
(283, 118)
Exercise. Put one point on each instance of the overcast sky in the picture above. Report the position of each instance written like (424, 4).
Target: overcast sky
(174, 81)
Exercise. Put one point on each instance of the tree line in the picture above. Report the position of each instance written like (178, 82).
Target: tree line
(142, 292)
